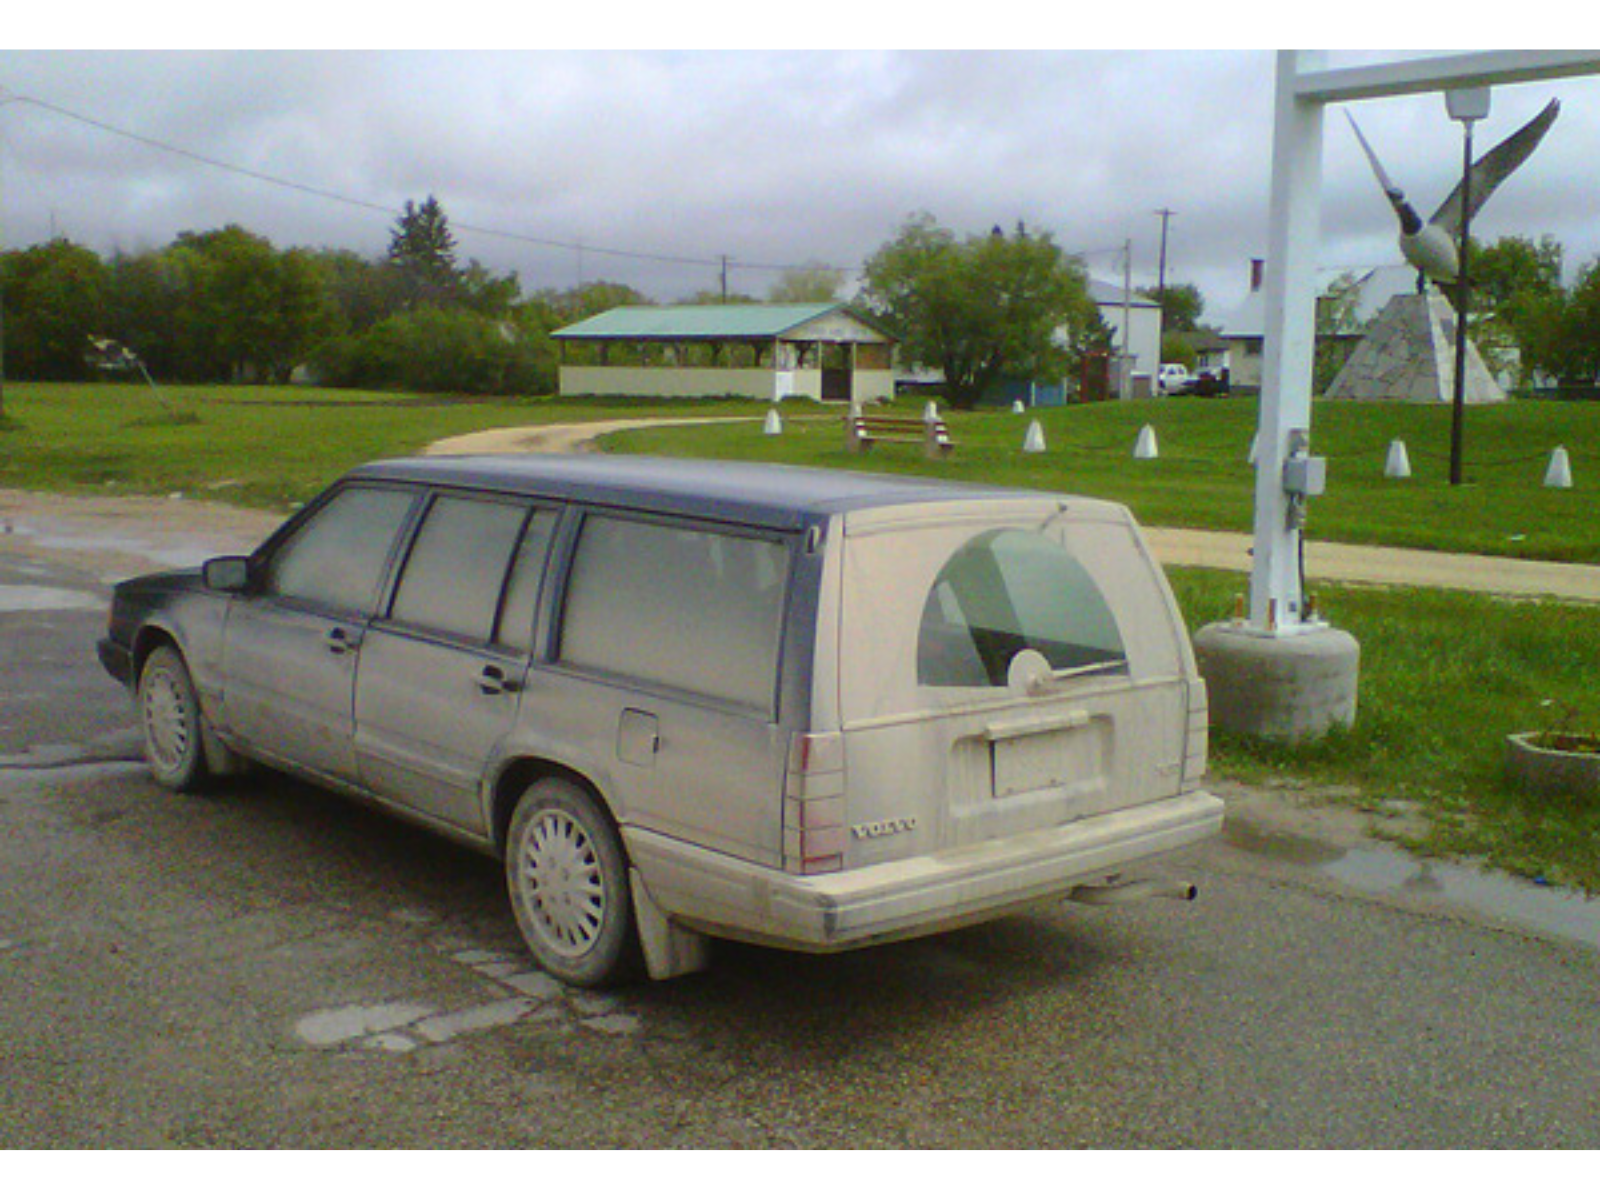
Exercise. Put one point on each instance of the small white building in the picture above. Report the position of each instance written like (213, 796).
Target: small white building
(760, 351)
(1136, 357)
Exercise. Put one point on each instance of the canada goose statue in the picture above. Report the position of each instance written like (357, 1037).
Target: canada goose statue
(1431, 247)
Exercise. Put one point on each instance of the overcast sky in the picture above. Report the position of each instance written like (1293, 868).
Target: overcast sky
(650, 167)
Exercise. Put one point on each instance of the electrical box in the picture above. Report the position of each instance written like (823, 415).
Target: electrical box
(1305, 476)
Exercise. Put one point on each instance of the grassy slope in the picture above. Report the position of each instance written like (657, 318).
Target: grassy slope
(1203, 479)
(266, 447)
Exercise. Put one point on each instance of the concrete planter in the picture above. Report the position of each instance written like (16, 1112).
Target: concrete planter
(1548, 764)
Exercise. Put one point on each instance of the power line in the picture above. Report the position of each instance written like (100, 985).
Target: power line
(372, 206)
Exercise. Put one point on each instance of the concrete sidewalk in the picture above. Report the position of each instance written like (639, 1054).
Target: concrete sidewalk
(1388, 565)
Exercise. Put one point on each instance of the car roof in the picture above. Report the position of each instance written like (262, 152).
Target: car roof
(770, 494)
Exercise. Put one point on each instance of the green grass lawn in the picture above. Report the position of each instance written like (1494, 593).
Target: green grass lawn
(266, 447)
(1444, 676)
(1202, 477)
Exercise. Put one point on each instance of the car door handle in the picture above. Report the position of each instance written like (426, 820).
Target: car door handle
(492, 681)
(341, 641)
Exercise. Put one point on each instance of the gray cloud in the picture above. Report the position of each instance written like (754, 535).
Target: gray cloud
(627, 161)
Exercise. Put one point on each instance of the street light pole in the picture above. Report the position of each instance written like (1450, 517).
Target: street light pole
(1466, 105)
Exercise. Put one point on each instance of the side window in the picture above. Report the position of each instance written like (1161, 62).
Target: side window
(457, 567)
(694, 610)
(527, 572)
(1008, 591)
(336, 559)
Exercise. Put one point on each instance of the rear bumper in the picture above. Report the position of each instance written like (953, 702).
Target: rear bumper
(917, 896)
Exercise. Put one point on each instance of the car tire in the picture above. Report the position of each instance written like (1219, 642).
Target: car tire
(567, 877)
(171, 722)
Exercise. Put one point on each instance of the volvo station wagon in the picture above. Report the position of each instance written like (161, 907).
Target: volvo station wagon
(686, 701)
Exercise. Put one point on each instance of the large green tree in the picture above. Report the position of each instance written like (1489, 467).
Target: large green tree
(247, 310)
(1559, 332)
(979, 308)
(53, 303)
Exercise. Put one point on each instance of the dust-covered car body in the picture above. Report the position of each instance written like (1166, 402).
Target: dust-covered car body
(681, 700)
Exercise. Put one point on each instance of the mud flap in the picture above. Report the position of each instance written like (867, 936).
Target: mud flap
(669, 949)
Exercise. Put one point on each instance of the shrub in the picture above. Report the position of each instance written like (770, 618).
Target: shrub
(441, 350)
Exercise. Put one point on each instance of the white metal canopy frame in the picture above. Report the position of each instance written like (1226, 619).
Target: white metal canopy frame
(1286, 474)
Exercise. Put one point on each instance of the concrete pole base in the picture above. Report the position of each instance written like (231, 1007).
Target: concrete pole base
(1288, 688)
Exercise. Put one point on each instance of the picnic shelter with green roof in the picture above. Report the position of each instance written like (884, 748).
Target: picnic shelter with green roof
(823, 351)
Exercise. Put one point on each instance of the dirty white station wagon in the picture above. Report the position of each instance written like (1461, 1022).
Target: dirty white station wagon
(685, 701)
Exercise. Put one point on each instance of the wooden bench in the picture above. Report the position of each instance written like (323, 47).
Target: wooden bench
(861, 431)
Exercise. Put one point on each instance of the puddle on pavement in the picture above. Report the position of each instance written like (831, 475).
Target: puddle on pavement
(1385, 870)
(176, 551)
(168, 554)
(1519, 902)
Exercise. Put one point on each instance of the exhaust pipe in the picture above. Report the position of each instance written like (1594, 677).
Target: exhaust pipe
(1134, 890)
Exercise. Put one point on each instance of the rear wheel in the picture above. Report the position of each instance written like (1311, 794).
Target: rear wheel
(171, 722)
(568, 880)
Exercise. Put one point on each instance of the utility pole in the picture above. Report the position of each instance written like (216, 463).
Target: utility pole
(724, 278)
(1125, 374)
(1161, 273)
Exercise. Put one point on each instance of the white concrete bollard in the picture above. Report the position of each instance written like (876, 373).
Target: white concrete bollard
(1033, 443)
(1145, 447)
(774, 424)
(1398, 465)
(930, 413)
(1018, 407)
(1559, 473)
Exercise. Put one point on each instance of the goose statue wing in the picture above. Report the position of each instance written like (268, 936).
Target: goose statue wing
(1490, 171)
(1384, 181)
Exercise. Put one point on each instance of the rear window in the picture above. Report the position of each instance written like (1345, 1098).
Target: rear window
(1006, 591)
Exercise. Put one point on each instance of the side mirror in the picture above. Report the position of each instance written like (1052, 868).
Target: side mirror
(226, 574)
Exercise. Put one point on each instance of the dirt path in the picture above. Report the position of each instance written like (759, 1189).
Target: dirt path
(113, 537)
(554, 439)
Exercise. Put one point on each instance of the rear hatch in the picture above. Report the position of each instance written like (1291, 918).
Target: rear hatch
(1001, 667)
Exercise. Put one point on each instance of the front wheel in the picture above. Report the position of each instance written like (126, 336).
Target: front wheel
(171, 722)
(568, 880)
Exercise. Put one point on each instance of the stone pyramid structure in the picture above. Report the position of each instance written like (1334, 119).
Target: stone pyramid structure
(1409, 353)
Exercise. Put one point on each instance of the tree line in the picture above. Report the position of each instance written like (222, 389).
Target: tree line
(226, 305)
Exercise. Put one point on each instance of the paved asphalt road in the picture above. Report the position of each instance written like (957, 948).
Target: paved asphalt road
(275, 967)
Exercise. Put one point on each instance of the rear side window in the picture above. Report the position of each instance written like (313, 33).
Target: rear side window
(336, 559)
(695, 610)
(1006, 591)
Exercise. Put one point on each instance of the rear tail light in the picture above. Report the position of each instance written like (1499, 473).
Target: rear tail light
(814, 833)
